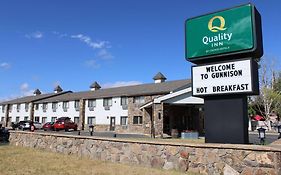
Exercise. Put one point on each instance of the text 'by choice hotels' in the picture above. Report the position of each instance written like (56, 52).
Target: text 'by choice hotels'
(222, 78)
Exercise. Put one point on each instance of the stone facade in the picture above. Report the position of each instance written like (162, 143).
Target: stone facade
(213, 159)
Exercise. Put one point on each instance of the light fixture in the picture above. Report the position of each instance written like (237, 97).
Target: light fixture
(261, 135)
(91, 129)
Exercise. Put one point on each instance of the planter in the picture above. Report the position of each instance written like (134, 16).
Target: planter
(190, 135)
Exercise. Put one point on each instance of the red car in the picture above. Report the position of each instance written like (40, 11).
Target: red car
(48, 126)
(64, 123)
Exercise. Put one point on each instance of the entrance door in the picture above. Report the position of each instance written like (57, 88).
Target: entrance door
(112, 123)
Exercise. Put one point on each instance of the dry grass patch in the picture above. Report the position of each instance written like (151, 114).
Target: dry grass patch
(24, 161)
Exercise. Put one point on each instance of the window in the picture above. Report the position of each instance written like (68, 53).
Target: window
(26, 107)
(3, 108)
(45, 106)
(25, 118)
(54, 106)
(76, 105)
(2, 119)
(91, 120)
(91, 104)
(17, 119)
(124, 120)
(18, 107)
(36, 119)
(10, 108)
(124, 101)
(137, 120)
(44, 120)
(139, 100)
(53, 119)
(36, 106)
(107, 102)
(65, 105)
(76, 120)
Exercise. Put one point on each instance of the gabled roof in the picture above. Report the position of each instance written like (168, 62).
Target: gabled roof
(33, 98)
(58, 89)
(95, 85)
(159, 76)
(129, 91)
(37, 92)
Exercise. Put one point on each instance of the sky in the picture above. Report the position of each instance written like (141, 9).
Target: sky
(72, 43)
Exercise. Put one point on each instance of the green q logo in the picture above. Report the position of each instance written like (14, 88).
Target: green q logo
(216, 28)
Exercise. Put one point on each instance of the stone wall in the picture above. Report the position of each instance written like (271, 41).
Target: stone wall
(213, 159)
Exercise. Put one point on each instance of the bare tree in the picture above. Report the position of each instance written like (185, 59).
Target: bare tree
(269, 98)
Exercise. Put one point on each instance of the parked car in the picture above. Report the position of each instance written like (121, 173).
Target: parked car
(48, 126)
(19, 124)
(26, 125)
(64, 123)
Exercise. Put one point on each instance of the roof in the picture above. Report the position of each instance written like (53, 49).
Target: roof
(135, 90)
(95, 85)
(37, 92)
(33, 98)
(159, 76)
(58, 88)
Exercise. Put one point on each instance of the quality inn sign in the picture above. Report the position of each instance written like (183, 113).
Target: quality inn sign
(222, 35)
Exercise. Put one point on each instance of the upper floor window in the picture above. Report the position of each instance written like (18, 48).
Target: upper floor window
(54, 105)
(45, 106)
(65, 104)
(10, 108)
(124, 101)
(26, 106)
(91, 104)
(36, 106)
(76, 104)
(3, 108)
(139, 100)
(18, 107)
(107, 102)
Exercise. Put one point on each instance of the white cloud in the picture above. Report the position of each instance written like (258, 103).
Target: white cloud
(25, 91)
(120, 83)
(5, 65)
(104, 54)
(34, 35)
(60, 35)
(86, 39)
(92, 64)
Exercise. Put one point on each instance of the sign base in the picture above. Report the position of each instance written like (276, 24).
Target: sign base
(226, 119)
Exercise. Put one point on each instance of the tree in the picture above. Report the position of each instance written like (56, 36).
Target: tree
(270, 89)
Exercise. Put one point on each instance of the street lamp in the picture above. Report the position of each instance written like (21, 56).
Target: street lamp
(279, 131)
(91, 129)
(261, 135)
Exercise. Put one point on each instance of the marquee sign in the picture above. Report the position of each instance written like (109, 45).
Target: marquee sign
(221, 35)
(225, 78)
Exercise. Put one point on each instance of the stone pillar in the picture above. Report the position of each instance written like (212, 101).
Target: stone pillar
(158, 121)
(81, 114)
(6, 124)
(31, 111)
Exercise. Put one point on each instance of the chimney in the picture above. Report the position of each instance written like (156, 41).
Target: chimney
(58, 89)
(36, 92)
(95, 86)
(159, 78)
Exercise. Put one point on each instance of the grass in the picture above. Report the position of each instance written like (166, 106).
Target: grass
(24, 161)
